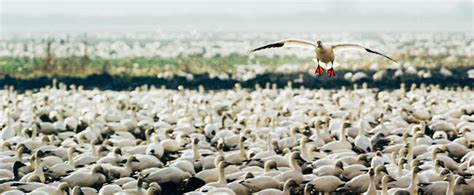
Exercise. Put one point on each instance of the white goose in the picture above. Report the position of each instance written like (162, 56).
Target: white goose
(323, 52)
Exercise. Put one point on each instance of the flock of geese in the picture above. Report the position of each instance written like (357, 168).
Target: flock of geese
(68, 140)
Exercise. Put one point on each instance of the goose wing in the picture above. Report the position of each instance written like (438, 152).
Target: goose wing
(355, 46)
(288, 43)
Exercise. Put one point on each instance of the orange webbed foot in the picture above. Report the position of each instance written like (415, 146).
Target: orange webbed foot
(331, 72)
(319, 70)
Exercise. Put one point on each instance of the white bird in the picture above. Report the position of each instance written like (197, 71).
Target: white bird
(323, 52)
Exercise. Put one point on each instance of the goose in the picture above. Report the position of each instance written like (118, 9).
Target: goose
(61, 189)
(323, 52)
(15, 156)
(342, 144)
(335, 170)
(94, 178)
(326, 184)
(6, 176)
(236, 158)
(77, 190)
(295, 173)
(455, 150)
(167, 174)
(155, 148)
(154, 188)
(360, 183)
(31, 184)
(89, 157)
(411, 189)
(222, 182)
(38, 169)
(372, 189)
(125, 171)
(113, 158)
(268, 169)
(286, 189)
(352, 171)
(212, 175)
(146, 161)
(261, 183)
(362, 142)
(184, 165)
(438, 187)
(379, 159)
(64, 168)
(138, 190)
(270, 150)
(110, 189)
(385, 180)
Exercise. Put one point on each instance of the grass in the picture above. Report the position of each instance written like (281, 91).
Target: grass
(81, 66)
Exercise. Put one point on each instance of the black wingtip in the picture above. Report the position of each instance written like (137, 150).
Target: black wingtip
(372, 51)
(268, 46)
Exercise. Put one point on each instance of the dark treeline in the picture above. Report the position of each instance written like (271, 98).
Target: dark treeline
(108, 82)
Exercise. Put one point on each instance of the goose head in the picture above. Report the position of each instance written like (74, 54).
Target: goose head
(63, 187)
(291, 183)
(295, 157)
(402, 161)
(195, 141)
(140, 182)
(97, 169)
(449, 178)
(460, 181)
(418, 135)
(380, 169)
(77, 190)
(415, 162)
(270, 164)
(445, 172)
(416, 170)
(148, 133)
(388, 178)
(131, 159)
(18, 164)
(363, 158)
(248, 175)
(222, 165)
(6, 146)
(339, 165)
(371, 172)
(102, 150)
(153, 188)
(319, 44)
(118, 151)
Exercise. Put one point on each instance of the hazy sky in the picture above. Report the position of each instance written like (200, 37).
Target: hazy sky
(336, 15)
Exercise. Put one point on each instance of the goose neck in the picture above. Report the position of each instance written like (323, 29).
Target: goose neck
(384, 187)
(451, 186)
(413, 185)
(371, 184)
(343, 134)
(222, 175)
(400, 169)
(94, 150)
(70, 158)
(242, 150)
(16, 175)
(294, 165)
(195, 152)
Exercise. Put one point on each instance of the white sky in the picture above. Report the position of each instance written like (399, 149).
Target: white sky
(21, 15)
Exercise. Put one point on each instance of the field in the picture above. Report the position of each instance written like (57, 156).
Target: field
(191, 112)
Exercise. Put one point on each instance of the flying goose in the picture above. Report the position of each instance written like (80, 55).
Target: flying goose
(323, 52)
